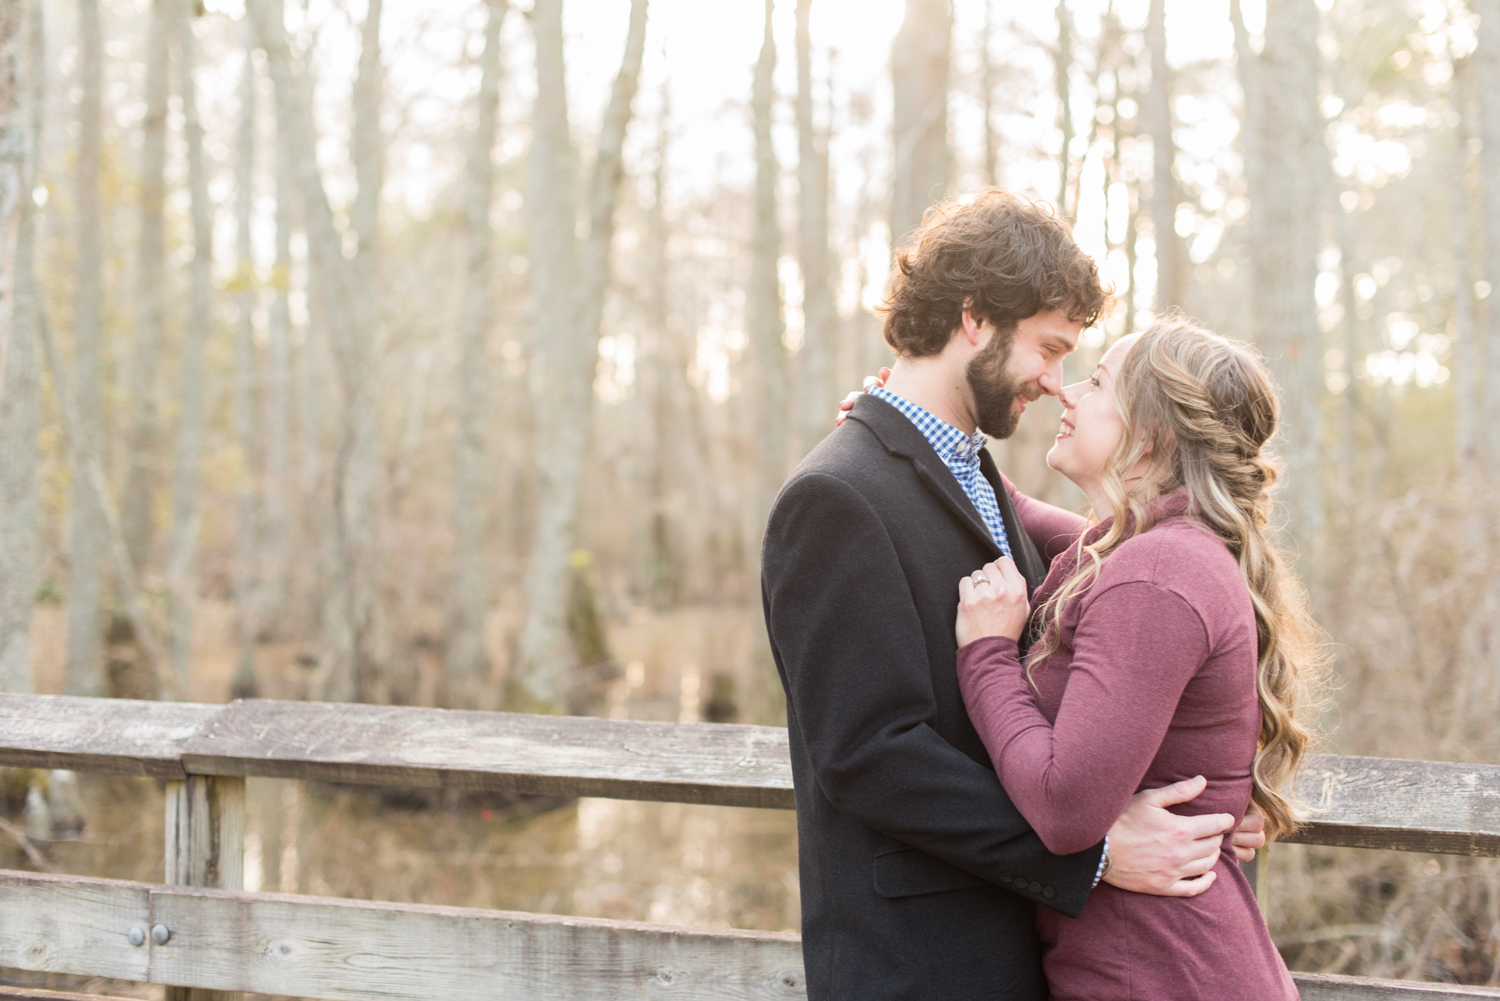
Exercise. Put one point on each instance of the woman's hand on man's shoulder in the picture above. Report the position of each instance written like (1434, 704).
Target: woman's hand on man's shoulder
(847, 404)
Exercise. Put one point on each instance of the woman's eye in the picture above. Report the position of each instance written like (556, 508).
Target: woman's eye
(1094, 381)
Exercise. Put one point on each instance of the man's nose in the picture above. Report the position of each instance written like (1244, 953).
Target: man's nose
(1051, 381)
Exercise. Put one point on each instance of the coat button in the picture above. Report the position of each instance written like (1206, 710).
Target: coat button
(1035, 887)
(1005, 877)
(1048, 892)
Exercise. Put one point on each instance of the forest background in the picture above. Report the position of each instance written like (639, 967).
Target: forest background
(452, 354)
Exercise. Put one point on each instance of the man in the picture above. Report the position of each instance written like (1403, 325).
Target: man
(919, 876)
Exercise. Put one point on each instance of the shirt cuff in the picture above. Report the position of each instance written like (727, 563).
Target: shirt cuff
(1103, 861)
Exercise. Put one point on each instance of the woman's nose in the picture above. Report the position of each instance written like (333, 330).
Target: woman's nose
(1069, 394)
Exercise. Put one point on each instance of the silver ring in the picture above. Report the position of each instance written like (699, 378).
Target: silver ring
(978, 577)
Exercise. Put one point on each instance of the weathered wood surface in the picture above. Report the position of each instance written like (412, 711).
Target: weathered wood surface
(719, 764)
(350, 950)
(1420, 806)
(65, 924)
(205, 832)
(1361, 802)
(205, 846)
(8, 993)
(122, 736)
(1326, 987)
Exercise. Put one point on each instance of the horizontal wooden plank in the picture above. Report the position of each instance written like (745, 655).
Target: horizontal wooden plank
(123, 736)
(1326, 987)
(1360, 802)
(1420, 806)
(717, 764)
(349, 950)
(359, 951)
(37, 994)
(66, 924)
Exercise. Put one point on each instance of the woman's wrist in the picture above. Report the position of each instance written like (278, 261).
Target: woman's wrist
(1001, 643)
(988, 655)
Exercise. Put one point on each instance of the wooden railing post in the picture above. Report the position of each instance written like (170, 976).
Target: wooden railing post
(1258, 875)
(205, 847)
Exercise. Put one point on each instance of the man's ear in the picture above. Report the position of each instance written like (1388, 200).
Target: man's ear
(970, 325)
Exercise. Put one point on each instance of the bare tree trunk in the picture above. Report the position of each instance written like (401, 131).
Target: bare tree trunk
(1062, 81)
(919, 116)
(819, 313)
(84, 670)
(248, 539)
(277, 398)
(1350, 405)
(350, 634)
(552, 203)
(1487, 80)
(293, 414)
(356, 630)
(1118, 134)
(1465, 329)
(16, 157)
(1169, 256)
(367, 145)
(91, 472)
(987, 100)
(22, 89)
(568, 283)
(142, 473)
(182, 559)
(468, 663)
(765, 322)
(96, 522)
(1284, 263)
(604, 191)
(1248, 70)
(674, 432)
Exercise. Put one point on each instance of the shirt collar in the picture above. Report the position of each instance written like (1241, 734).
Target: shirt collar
(944, 438)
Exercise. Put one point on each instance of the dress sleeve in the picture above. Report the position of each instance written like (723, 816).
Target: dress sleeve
(1052, 529)
(1136, 648)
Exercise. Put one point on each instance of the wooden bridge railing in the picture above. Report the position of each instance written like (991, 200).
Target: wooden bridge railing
(198, 931)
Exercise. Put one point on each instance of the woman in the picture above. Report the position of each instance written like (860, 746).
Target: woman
(1170, 642)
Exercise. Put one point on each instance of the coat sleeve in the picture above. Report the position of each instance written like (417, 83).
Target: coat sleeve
(846, 634)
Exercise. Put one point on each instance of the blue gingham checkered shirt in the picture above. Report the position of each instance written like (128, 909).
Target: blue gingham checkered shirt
(960, 453)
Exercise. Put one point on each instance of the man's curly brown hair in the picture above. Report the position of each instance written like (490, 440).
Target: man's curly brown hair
(1001, 257)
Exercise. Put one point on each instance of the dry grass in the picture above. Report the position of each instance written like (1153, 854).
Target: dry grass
(1409, 597)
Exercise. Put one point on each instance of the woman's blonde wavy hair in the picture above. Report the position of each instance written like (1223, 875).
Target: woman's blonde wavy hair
(1198, 410)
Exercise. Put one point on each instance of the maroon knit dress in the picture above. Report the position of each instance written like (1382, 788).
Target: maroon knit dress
(1153, 682)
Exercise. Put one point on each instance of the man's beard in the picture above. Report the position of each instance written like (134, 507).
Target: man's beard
(994, 388)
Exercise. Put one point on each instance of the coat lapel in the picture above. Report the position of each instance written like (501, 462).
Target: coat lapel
(901, 437)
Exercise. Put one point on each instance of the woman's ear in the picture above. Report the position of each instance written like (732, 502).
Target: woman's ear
(1157, 440)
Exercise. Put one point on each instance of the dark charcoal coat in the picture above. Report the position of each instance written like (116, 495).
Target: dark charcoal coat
(919, 877)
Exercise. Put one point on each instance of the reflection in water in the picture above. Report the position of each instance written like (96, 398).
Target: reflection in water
(677, 864)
